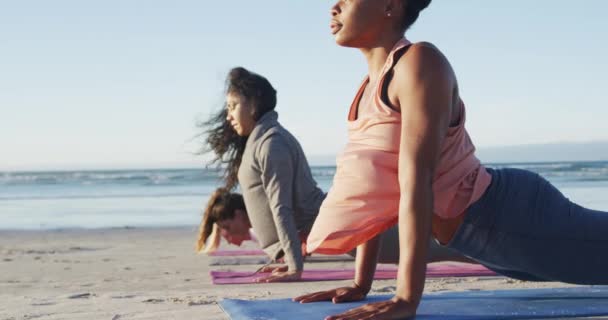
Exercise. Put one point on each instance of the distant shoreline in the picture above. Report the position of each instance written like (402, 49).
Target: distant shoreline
(313, 165)
(81, 230)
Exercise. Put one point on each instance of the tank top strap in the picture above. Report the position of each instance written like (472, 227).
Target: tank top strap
(392, 59)
(463, 113)
(462, 118)
(388, 66)
(354, 106)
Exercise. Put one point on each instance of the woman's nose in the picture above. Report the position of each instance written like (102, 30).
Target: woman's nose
(335, 9)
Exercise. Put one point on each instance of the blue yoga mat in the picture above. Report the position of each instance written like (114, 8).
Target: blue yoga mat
(477, 305)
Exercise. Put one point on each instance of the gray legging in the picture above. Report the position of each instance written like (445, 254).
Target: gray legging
(389, 250)
(523, 227)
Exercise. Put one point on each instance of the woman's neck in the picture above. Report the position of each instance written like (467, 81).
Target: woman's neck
(377, 54)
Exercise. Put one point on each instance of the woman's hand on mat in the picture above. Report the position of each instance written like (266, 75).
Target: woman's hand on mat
(274, 269)
(344, 294)
(282, 276)
(385, 310)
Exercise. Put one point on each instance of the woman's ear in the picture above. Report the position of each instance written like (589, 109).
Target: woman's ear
(393, 8)
(251, 104)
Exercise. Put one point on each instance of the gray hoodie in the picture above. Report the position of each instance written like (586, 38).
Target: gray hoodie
(281, 196)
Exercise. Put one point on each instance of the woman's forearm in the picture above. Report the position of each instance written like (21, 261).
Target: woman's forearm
(365, 263)
(415, 216)
(290, 241)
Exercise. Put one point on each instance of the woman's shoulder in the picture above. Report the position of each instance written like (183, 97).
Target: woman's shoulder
(276, 141)
(422, 55)
(424, 45)
(278, 134)
(423, 60)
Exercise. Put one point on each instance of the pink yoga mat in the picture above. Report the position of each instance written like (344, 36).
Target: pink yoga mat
(238, 252)
(382, 273)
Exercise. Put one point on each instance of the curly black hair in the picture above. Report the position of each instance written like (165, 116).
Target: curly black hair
(221, 139)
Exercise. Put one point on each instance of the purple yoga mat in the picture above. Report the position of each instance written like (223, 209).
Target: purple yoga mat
(239, 252)
(382, 273)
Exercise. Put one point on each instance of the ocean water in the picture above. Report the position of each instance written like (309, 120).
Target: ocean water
(175, 197)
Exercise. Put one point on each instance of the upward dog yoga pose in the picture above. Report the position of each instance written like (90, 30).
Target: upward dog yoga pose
(409, 161)
(280, 198)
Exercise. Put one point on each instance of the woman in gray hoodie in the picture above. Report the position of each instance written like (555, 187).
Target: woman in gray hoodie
(281, 198)
(269, 165)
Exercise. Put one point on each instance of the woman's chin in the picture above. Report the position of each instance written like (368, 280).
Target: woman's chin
(243, 133)
(344, 41)
(338, 39)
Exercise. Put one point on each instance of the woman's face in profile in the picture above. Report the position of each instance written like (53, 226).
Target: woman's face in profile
(356, 23)
(239, 113)
(235, 230)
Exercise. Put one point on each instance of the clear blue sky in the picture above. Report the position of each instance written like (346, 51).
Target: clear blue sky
(120, 83)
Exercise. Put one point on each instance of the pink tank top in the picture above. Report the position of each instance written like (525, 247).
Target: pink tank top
(364, 198)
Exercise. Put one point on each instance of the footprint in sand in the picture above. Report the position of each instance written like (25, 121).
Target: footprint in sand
(38, 304)
(200, 303)
(35, 316)
(129, 296)
(81, 296)
(39, 251)
(84, 249)
(154, 301)
(193, 301)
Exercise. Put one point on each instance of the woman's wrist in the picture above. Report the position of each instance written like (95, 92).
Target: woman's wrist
(407, 297)
(294, 269)
(365, 289)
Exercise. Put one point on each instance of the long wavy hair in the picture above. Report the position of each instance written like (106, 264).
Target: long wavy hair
(221, 138)
(222, 205)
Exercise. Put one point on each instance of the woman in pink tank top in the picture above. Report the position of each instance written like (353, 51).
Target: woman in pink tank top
(410, 162)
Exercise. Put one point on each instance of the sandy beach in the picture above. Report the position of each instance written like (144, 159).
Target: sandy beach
(133, 273)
